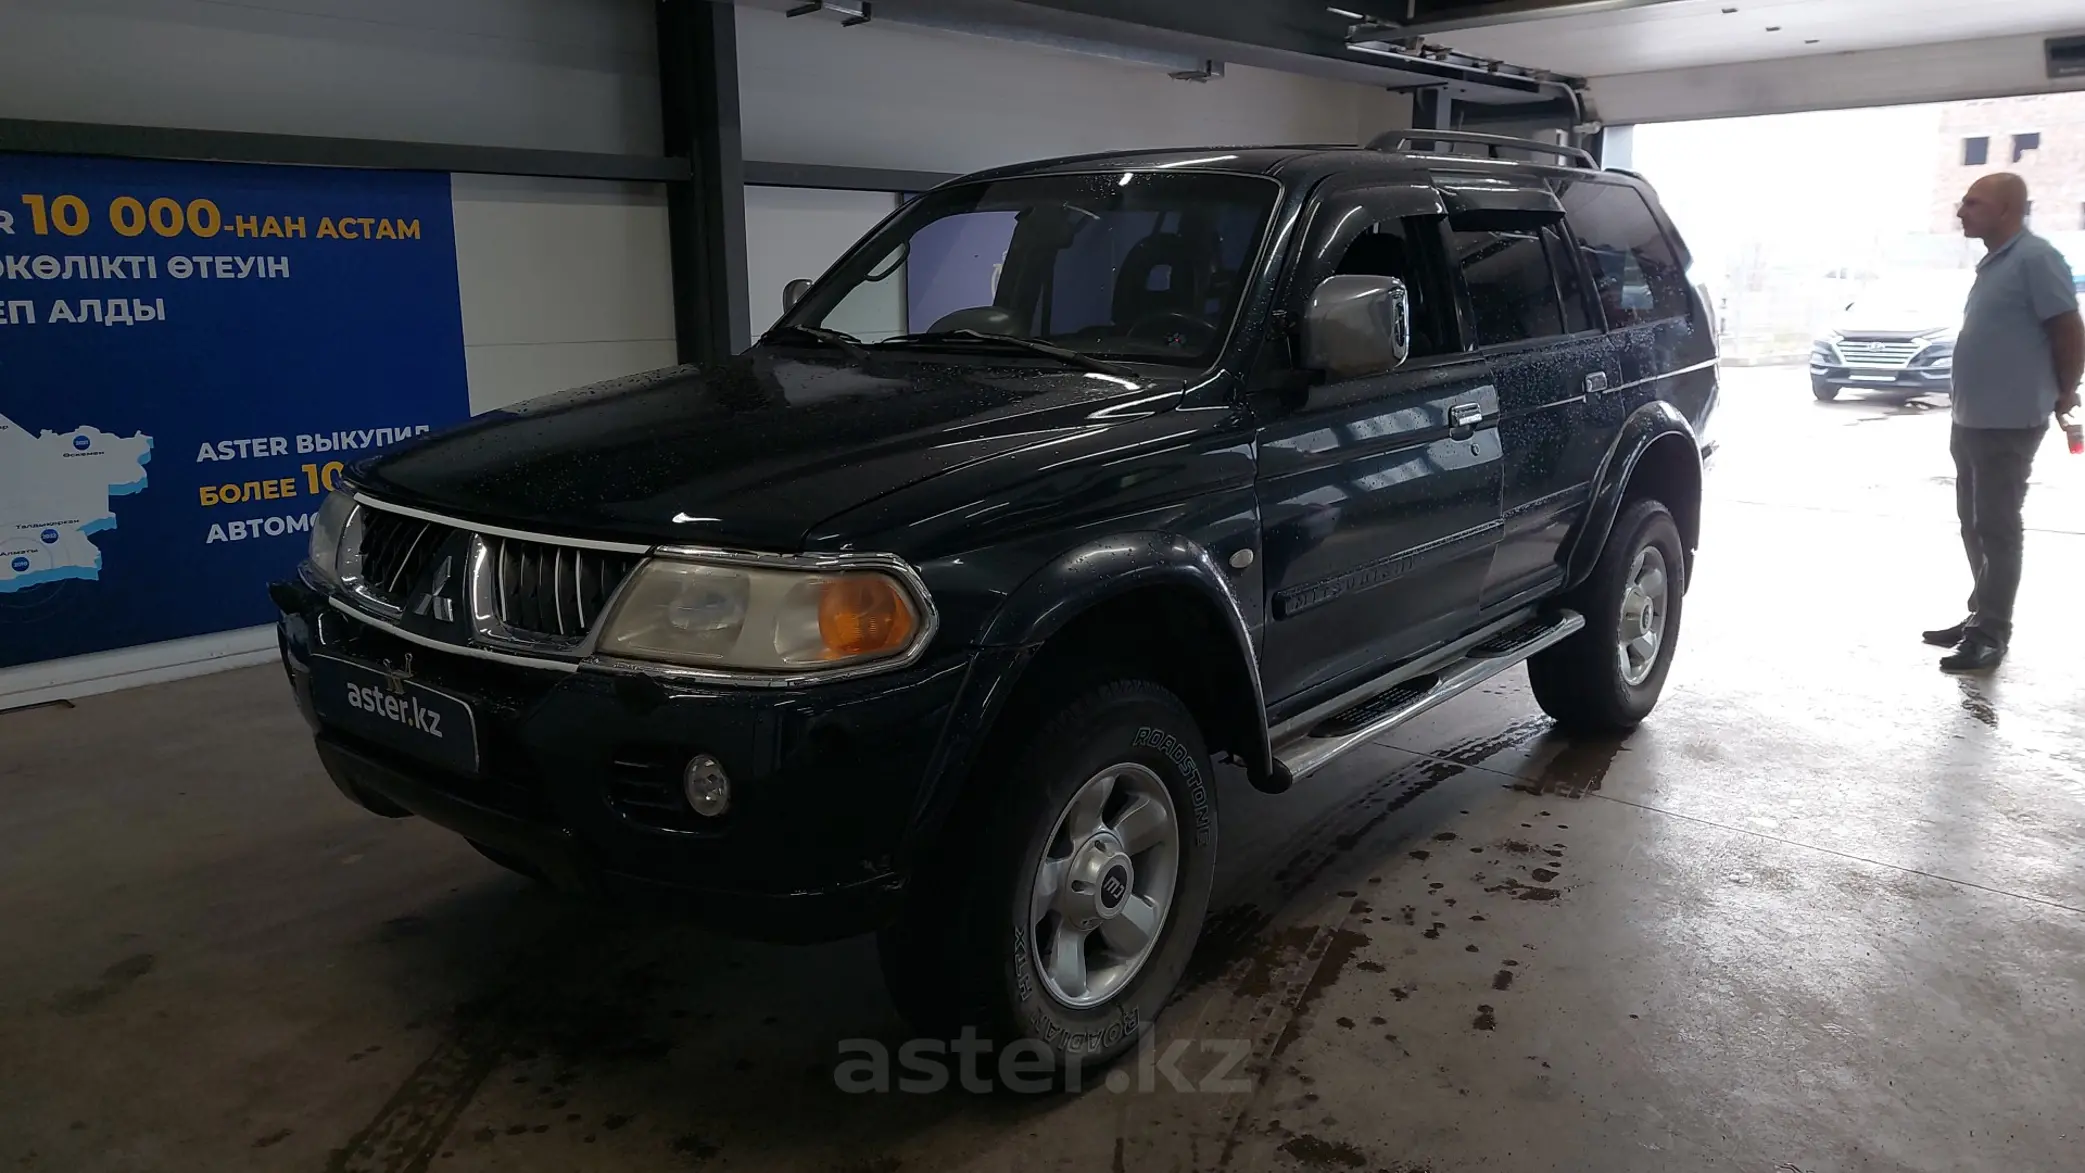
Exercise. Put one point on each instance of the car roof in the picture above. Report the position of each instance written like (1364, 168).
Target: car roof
(1290, 163)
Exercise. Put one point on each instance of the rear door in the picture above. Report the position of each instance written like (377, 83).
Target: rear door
(1379, 495)
(1660, 339)
(1523, 294)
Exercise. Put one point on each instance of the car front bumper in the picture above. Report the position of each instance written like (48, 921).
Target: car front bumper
(578, 775)
(1925, 379)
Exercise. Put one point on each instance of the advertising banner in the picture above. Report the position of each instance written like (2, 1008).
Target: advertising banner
(188, 355)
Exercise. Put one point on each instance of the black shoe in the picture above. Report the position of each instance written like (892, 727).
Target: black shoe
(1975, 655)
(1946, 637)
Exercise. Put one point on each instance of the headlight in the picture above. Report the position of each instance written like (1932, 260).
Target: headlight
(757, 619)
(326, 531)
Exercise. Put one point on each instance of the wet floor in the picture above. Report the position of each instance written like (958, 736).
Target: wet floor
(1824, 912)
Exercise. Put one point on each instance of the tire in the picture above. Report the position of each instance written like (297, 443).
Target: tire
(1590, 683)
(512, 863)
(1824, 392)
(975, 945)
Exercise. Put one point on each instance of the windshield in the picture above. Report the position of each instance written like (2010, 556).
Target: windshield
(1138, 266)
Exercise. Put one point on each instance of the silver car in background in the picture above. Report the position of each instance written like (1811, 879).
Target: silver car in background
(1896, 338)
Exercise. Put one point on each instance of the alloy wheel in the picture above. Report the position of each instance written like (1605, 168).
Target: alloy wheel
(1104, 885)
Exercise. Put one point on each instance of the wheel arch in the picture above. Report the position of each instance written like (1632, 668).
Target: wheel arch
(1657, 455)
(1154, 601)
(1153, 606)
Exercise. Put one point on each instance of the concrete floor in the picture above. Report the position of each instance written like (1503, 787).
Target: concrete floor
(1824, 912)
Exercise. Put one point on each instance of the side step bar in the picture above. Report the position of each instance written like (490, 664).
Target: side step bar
(1334, 736)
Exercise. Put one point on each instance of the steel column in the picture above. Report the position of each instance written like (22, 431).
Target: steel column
(1432, 109)
(706, 214)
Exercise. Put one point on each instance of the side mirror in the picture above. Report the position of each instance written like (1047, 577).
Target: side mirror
(1357, 325)
(793, 293)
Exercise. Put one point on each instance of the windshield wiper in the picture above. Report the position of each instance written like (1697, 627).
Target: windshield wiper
(836, 338)
(1061, 354)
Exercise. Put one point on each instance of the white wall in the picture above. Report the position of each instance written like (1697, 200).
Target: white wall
(1999, 67)
(900, 96)
(891, 95)
(797, 232)
(574, 75)
(563, 282)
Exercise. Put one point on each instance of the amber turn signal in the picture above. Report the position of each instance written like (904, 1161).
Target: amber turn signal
(864, 615)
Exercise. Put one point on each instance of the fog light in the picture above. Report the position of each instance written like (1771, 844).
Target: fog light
(707, 789)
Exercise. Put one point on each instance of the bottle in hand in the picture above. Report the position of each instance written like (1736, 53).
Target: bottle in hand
(2073, 431)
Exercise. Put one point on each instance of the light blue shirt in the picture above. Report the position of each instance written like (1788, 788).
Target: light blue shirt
(2005, 370)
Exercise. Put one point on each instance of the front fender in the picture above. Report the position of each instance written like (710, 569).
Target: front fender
(1052, 597)
(1648, 425)
(1103, 568)
(1090, 574)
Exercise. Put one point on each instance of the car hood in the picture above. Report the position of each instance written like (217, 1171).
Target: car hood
(749, 454)
(1898, 328)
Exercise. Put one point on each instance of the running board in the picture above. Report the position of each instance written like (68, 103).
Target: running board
(1347, 730)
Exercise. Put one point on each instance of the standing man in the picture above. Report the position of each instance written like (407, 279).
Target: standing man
(2017, 362)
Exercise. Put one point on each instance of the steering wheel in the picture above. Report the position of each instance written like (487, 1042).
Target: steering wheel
(1174, 329)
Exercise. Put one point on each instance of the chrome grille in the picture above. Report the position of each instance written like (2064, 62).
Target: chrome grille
(1875, 353)
(395, 550)
(556, 591)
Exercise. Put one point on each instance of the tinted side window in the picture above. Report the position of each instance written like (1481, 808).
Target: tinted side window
(1636, 274)
(1512, 289)
(1391, 249)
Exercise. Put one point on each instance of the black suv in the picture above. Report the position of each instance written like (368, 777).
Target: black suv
(1232, 454)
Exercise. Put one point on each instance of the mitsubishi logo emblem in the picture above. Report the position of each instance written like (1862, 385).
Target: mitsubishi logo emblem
(396, 677)
(443, 607)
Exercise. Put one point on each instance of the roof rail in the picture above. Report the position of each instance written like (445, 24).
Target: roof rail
(1398, 140)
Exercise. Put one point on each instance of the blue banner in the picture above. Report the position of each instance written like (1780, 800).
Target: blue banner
(188, 354)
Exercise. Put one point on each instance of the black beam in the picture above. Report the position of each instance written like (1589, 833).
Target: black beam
(1556, 112)
(1297, 38)
(181, 145)
(229, 146)
(1426, 71)
(841, 178)
(706, 214)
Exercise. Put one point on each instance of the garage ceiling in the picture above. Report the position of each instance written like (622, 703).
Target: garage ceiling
(1303, 36)
(1656, 56)
(1675, 34)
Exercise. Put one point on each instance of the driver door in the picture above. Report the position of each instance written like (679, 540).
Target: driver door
(1379, 494)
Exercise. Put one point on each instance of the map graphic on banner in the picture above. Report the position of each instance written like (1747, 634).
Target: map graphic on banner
(190, 356)
(54, 493)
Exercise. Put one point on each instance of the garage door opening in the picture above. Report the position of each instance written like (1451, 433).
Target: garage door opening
(1828, 245)
(1832, 233)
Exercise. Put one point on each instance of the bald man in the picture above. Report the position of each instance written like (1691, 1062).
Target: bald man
(2017, 363)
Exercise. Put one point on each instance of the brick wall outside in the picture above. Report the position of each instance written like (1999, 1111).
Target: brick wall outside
(2055, 173)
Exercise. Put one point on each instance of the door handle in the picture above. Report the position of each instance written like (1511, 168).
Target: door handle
(1463, 419)
(1596, 383)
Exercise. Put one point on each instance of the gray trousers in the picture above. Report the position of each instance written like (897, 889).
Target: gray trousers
(1991, 470)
